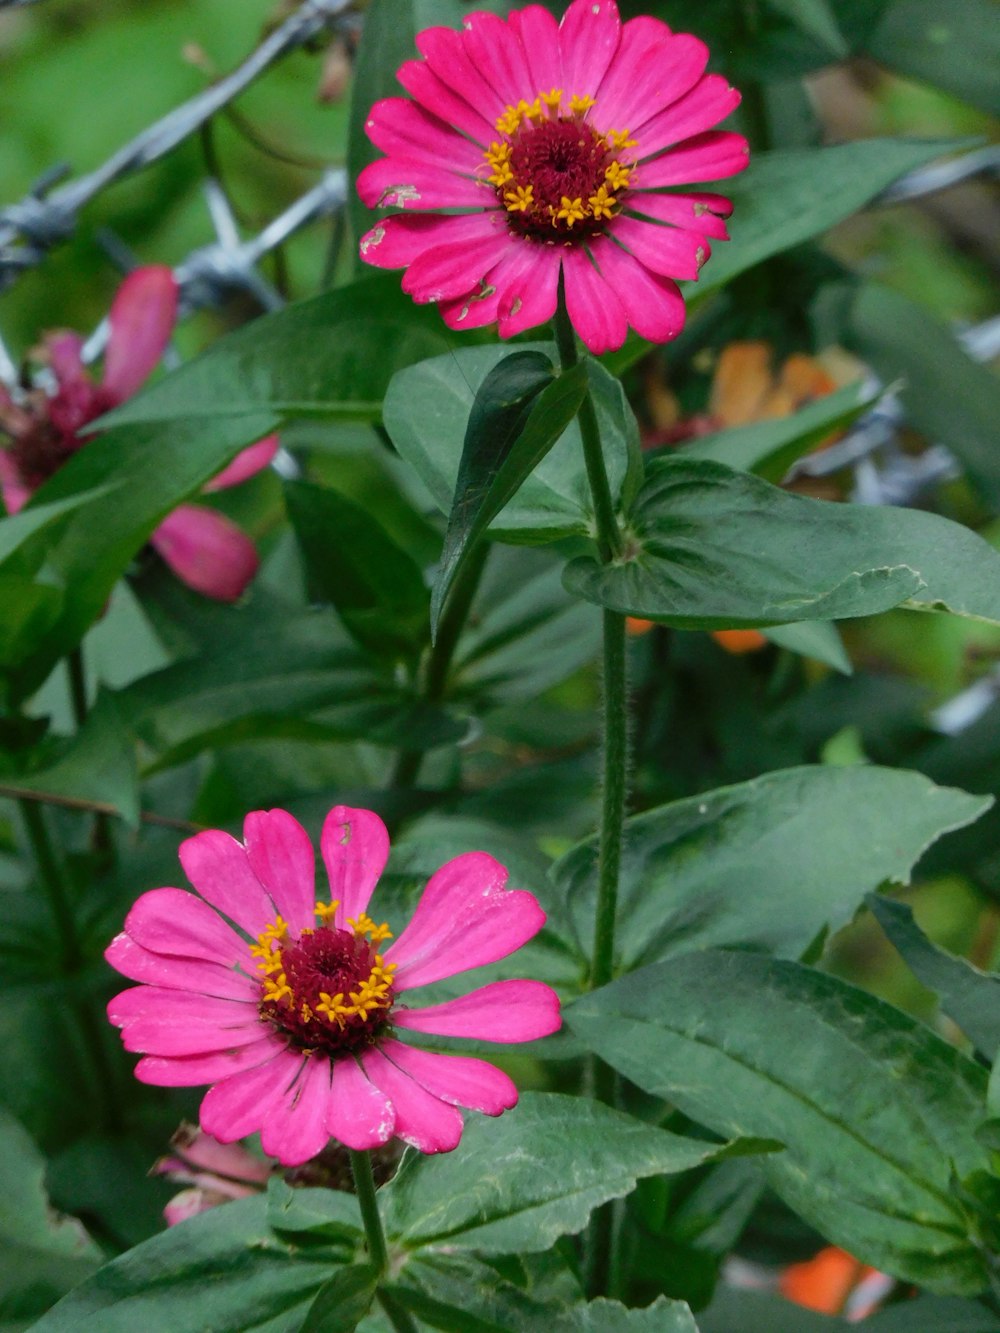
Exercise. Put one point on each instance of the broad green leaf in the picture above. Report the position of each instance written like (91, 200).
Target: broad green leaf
(969, 996)
(42, 1255)
(816, 19)
(769, 448)
(519, 413)
(325, 1214)
(331, 356)
(15, 529)
(353, 563)
(878, 1113)
(765, 864)
(343, 1301)
(225, 1270)
(713, 549)
(29, 612)
(426, 413)
(520, 1183)
(952, 399)
(952, 46)
(762, 1312)
(98, 765)
(813, 638)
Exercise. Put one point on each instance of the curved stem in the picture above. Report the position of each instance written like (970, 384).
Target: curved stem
(364, 1185)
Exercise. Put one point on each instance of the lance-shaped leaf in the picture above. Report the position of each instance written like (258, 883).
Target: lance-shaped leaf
(878, 1114)
(520, 1183)
(343, 1301)
(817, 20)
(426, 414)
(711, 548)
(765, 864)
(813, 638)
(353, 563)
(518, 414)
(969, 996)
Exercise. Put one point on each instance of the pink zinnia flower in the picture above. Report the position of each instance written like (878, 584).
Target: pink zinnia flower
(552, 146)
(202, 547)
(291, 1010)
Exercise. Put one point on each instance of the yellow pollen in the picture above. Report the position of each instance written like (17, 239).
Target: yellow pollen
(579, 106)
(509, 121)
(552, 98)
(617, 176)
(572, 210)
(534, 112)
(326, 911)
(521, 199)
(277, 990)
(601, 203)
(618, 139)
(501, 175)
(364, 925)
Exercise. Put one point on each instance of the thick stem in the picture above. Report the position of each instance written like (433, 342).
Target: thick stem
(364, 1185)
(52, 879)
(613, 797)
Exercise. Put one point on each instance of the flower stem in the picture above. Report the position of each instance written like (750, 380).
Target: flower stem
(76, 672)
(364, 1185)
(52, 879)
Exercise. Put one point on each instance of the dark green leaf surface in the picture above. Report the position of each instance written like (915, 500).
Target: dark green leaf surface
(767, 863)
(342, 1301)
(519, 1183)
(969, 996)
(224, 1270)
(714, 548)
(519, 413)
(761, 1312)
(813, 638)
(427, 411)
(952, 46)
(815, 18)
(952, 399)
(877, 1112)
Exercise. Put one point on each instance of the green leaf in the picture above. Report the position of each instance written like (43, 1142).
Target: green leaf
(762, 1312)
(342, 1301)
(877, 1113)
(947, 396)
(518, 414)
(327, 1214)
(952, 46)
(765, 864)
(813, 638)
(817, 20)
(426, 413)
(353, 563)
(224, 1270)
(969, 996)
(42, 1255)
(712, 549)
(769, 448)
(34, 518)
(520, 1183)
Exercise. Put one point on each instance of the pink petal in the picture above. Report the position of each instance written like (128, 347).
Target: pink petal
(594, 310)
(155, 1021)
(64, 351)
(422, 1120)
(706, 157)
(294, 1129)
(539, 34)
(653, 305)
(465, 918)
(458, 1079)
(209, 1155)
(355, 846)
(449, 58)
(218, 867)
(666, 250)
(449, 271)
(396, 241)
(401, 127)
(358, 1114)
(589, 36)
(406, 182)
(239, 1105)
(529, 292)
(173, 921)
(501, 1011)
(696, 212)
(282, 859)
(495, 50)
(190, 1071)
(142, 318)
(246, 464)
(471, 312)
(138, 964)
(188, 1204)
(708, 102)
(436, 96)
(674, 68)
(207, 551)
(15, 494)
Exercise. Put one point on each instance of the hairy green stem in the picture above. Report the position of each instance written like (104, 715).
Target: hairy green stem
(364, 1185)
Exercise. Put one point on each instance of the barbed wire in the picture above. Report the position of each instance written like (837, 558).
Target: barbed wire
(47, 215)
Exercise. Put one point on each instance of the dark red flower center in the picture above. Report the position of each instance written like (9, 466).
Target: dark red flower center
(46, 431)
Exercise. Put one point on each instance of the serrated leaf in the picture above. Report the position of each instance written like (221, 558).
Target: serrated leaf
(520, 1183)
(713, 549)
(969, 996)
(764, 864)
(877, 1113)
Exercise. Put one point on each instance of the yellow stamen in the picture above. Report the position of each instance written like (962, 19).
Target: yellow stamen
(277, 990)
(364, 925)
(501, 175)
(534, 112)
(520, 200)
(617, 176)
(601, 203)
(579, 106)
(618, 139)
(509, 121)
(552, 98)
(572, 210)
(326, 911)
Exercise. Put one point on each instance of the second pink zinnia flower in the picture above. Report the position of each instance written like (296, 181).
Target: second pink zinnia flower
(293, 1008)
(552, 147)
